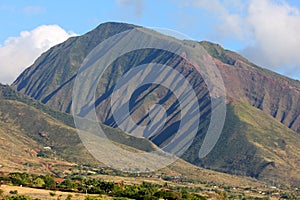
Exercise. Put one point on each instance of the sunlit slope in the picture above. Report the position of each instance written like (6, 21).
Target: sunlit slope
(254, 144)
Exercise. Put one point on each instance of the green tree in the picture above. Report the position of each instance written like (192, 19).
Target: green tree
(49, 182)
(38, 182)
(20, 178)
(67, 184)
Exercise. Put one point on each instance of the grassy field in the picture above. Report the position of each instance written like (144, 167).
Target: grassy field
(43, 194)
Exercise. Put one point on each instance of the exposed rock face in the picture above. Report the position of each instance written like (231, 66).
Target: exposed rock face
(274, 94)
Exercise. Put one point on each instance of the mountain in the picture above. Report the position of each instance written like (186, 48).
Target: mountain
(260, 138)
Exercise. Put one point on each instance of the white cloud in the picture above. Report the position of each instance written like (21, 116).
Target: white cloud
(276, 34)
(33, 10)
(230, 24)
(269, 30)
(17, 53)
(137, 6)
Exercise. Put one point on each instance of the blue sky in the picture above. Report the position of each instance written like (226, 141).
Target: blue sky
(265, 31)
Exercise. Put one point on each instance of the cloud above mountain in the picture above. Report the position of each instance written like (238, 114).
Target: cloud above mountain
(275, 28)
(268, 29)
(133, 6)
(19, 52)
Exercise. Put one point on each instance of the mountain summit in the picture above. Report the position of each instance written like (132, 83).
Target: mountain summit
(260, 137)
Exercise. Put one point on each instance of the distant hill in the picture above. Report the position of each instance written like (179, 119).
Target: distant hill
(52, 128)
(261, 134)
(29, 126)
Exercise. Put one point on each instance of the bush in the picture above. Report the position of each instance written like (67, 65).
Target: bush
(13, 192)
(52, 194)
(1, 193)
(93, 198)
(69, 197)
(17, 197)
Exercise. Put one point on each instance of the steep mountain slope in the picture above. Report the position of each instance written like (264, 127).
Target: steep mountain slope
(275, 94)
(51, 78)
(242, 148)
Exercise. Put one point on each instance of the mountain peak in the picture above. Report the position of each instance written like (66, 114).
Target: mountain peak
(113, 27)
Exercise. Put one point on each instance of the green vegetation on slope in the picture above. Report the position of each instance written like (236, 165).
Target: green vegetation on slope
(277, 144)
(44, 130)
(8, 93)
(253, 144)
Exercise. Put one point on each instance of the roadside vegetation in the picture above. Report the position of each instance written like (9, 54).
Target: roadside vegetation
(93, 188)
